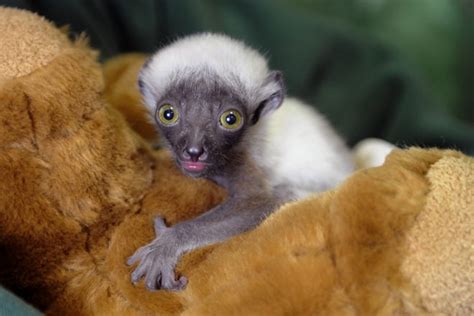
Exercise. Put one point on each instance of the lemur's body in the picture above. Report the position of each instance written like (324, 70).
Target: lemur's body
(211, 97)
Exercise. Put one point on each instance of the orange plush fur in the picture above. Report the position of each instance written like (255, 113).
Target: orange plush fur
(79, 187)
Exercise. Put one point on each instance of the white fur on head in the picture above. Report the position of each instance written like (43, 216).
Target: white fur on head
(217, 54)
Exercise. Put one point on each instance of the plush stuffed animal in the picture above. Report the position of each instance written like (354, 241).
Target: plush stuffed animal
(80, 185)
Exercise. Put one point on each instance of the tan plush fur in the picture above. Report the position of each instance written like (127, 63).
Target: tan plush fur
(121, 77)
(441, 241)
(40, 43)
(79, 188)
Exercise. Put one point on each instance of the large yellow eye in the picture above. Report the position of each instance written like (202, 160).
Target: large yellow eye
(168, 115)
(231, 119)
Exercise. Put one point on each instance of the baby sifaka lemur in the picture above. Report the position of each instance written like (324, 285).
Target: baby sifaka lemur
(213, 99)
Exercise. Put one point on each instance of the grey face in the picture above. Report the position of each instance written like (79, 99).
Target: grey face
(204, 123)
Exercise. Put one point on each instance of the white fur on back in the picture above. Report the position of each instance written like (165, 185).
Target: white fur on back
(371, 152)
(227, 57)
(303, 151)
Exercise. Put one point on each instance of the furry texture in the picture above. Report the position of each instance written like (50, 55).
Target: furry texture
(121, 77)
(216, 57)
(447, 226)
(39, 44)
(297, 148)
(79, 189)
(371, 152)
(302, 150)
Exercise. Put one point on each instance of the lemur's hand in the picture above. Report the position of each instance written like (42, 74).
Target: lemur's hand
(158, 260)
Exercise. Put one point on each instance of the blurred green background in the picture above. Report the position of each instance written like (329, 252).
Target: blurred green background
(402, 70)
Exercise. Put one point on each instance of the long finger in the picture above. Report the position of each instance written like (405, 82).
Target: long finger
(168, 279)
(152, 277)
(138, 255)
(139, 272)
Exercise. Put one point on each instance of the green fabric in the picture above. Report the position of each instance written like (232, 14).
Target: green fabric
(10, 305)
(399, 70)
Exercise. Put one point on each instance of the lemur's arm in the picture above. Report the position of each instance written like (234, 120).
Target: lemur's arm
(158, 259)
(245, 208)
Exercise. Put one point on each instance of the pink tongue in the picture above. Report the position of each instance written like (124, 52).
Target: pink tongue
(193, 166)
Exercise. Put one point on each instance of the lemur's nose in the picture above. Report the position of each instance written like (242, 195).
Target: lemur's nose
(194, 152)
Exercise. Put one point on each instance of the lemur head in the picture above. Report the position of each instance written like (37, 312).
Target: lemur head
(206, 93)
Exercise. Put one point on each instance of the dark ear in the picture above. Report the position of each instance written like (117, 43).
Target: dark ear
(273, 93)
(145, 86)
(141, 83)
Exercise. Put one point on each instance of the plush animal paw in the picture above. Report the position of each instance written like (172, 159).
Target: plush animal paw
(158, 260)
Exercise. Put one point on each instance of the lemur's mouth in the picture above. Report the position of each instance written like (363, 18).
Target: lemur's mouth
(193, 166)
